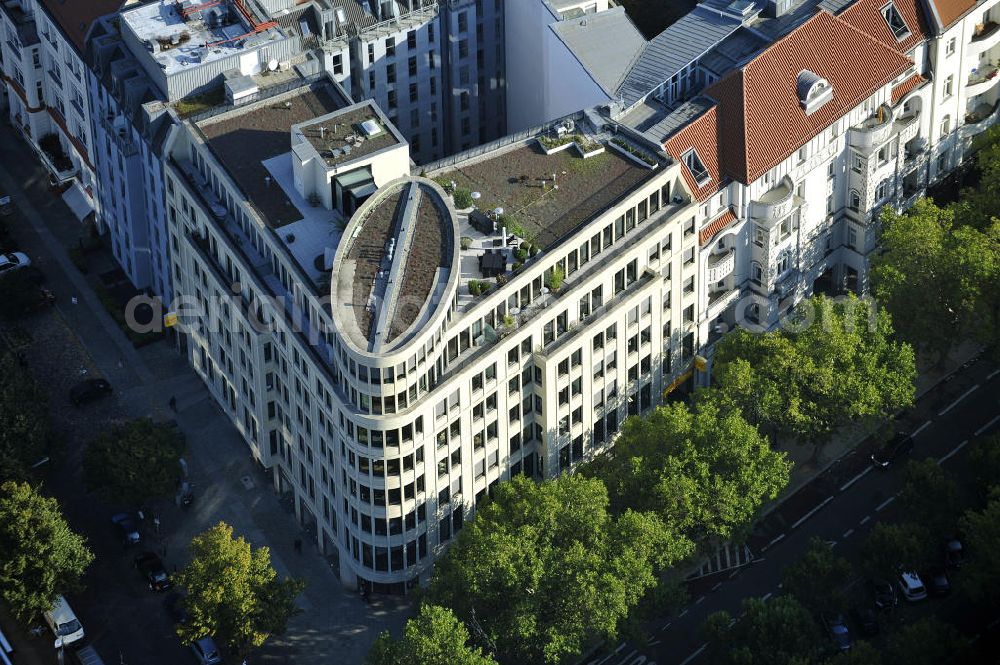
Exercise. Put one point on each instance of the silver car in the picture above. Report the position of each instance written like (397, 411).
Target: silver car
(206, 652)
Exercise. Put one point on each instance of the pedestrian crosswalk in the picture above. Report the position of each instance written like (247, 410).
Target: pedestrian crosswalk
(727, 557)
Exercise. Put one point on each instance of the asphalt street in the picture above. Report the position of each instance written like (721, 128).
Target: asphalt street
(846, 503)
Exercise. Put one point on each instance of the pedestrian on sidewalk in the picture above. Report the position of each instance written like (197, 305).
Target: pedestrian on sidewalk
(121, 362)
(173, 404)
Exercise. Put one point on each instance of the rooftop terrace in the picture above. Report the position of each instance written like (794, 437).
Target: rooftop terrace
(242, 139)
(520, 180)
(197, 36)
(349, 134)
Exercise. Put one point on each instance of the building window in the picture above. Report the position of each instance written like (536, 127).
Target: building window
(949, 86)
(852, 237)
(756, 273)
(390, 47)
(882, 191)
(759, 236)
(950, 47)
(855, 200)
(858, 164)
(696, 167)
(896, 23)
(784, 263)
(946, 125)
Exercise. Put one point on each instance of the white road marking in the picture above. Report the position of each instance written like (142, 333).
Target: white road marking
(654, 642)
(884, 504)
(856, 478)
(775, 540)
(766, 596)
(665, 626)
(683, 613)
(921, 428)
(694, 655)
(716, 586)
(701, 599)
(732, 622)
(953, 452)
(831, 543)
(987, 425)
(812, 512)
(847, 534)
(864, 520)
(992, 374)
(960, 398)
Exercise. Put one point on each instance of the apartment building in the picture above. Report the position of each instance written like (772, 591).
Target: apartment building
(336, 311)
(45, 76)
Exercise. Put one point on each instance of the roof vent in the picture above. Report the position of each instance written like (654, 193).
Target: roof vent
(814, 91)
(371, 128)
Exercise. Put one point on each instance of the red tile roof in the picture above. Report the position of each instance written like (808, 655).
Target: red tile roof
(760, 120)
(700, 134)
(716, 225)
(76, 16)
(904, 88)
(949, 11)
(866, 15)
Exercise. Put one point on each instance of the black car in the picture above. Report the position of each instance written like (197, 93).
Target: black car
(937, 582)
(153, 571)
(889, 451)
(884, 594)
(174, 602)
(866, 618)
(954, 555)
(89, 390)
(128, 528)
(837, 629)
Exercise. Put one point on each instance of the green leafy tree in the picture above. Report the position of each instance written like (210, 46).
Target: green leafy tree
(927, 641)
(861, 653)
(543, 568)
(134, 462)
(984, 460)
(836, 362)
(233, 593)
(25, 429)
(930, 494)
(894, 548)
(433, 637)
(705, 471)
(981, 577)
(818, 579)
(40, 557)
(778, 632)
(938, 276)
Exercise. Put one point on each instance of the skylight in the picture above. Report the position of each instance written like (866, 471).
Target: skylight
(895, 21)
(697, 167)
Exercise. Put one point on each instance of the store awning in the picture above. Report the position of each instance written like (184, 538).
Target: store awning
(78, 201)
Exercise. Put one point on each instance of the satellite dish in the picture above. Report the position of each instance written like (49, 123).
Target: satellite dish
(272, 65)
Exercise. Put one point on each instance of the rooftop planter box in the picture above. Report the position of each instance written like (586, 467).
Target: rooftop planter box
(636, 155)
(588, 148)
(551, 146)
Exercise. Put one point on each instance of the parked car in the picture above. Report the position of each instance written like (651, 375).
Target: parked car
(12, 261)
(89, 390)
(174, 602)
(884, 594)
(86, 656)
(836, 628)
(867, 619)
(954, 555)
(153, 571)
(912, 587)
(63, 623)
(884, 454)
(937, 582)
(206, 652)
(128, 528)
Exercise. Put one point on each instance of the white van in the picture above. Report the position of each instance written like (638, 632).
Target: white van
(63, 623)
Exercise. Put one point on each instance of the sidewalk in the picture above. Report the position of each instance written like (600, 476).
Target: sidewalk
(335, 626)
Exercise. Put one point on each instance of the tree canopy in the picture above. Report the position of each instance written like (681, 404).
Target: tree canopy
(233, 593)
(835, 362)
(984, 460)
(930, 494)
(817, 580)
(704, 471)
(894, 548)
(543, 568)
(25, 431)
(134, 461)
(434, 637)
(981, 576)
(42, 557)
(927, 641)
(778, 632)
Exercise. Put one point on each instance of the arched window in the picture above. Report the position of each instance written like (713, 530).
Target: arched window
(855, 200)
(756, 272)
(784, 263)
(882, 191)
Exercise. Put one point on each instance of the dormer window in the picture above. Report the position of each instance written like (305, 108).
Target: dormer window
(895, 21)
(813, 90)
(696, 167)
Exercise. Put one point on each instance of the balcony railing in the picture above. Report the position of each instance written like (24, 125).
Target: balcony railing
(874, 131)
(982, 74)
(987, 31)
(721, 265)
